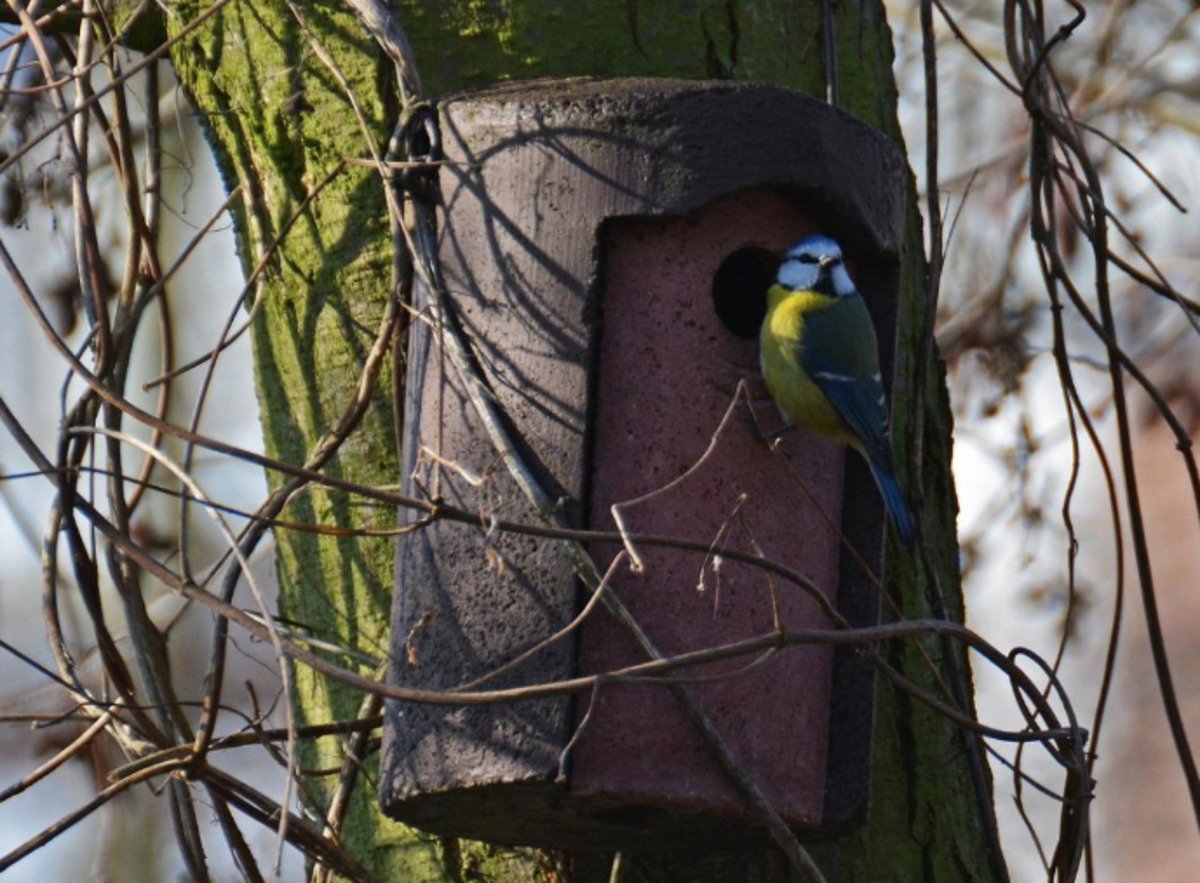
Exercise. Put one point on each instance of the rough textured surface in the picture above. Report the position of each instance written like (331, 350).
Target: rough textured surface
(666, 370)
(538, 170)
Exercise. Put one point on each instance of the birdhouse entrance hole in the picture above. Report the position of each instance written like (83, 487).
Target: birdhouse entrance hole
(739, 289)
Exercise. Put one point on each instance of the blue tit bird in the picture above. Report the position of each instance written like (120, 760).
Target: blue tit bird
(820, 360)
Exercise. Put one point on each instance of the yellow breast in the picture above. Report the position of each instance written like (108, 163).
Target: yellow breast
(782, 342)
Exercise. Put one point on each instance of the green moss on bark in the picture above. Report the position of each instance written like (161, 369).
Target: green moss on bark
(278, 126)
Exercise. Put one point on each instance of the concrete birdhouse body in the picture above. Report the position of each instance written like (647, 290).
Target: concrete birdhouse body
(603, 244)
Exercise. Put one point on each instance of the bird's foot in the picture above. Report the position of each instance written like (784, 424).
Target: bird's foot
(772, 434)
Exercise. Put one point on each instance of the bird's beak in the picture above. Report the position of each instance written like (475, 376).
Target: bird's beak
(825, 262)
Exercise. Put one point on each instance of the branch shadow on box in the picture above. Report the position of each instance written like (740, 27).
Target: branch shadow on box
(606, 246)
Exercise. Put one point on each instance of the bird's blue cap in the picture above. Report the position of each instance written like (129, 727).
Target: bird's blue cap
(814, 245)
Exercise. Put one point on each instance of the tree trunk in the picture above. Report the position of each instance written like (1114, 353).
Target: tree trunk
(279, 123)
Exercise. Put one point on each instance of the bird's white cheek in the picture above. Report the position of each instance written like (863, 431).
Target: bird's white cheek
(798, 276)
(842, 283)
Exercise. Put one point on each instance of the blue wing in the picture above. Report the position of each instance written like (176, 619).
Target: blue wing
(860, 402)
(841, 356)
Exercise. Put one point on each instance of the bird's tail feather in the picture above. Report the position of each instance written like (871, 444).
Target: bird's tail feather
(893, 499)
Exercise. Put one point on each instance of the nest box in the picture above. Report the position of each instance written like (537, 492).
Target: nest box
(607, 245)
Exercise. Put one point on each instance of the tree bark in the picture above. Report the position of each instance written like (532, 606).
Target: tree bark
(279, 123)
